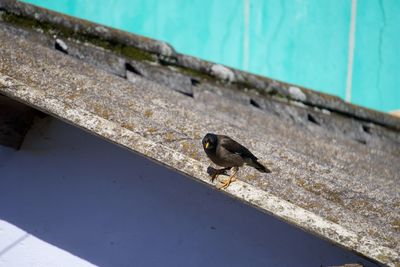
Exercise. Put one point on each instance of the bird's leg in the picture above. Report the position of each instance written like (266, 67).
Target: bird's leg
(232, 178)
(218, 172)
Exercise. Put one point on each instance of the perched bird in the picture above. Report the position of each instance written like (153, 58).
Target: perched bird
(227, 153)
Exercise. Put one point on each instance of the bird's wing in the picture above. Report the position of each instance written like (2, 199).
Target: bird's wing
(236, 148)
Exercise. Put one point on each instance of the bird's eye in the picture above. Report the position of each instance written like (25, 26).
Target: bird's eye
(207, 145)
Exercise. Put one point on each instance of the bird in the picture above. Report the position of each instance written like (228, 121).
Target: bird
(226, 152)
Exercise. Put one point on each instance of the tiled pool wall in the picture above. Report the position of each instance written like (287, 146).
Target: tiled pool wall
(348, 48)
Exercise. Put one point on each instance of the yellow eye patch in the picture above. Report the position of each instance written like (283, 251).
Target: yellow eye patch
(206, 145)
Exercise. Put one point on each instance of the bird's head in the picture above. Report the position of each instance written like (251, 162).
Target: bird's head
(210, 142)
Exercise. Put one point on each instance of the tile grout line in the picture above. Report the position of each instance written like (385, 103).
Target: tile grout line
(352, 32)
(246, 36)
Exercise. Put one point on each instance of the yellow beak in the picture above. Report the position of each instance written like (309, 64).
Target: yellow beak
(206, 145)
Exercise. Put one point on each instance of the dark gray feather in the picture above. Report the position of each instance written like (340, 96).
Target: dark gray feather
(234, 147)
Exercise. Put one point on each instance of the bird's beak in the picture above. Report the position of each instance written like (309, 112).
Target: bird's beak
(206, 145)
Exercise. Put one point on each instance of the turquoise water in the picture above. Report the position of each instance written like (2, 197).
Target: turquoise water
(305, 42)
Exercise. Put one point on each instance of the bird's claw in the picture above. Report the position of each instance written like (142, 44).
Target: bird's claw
(228, 181)
(224, 185)
(213, 177)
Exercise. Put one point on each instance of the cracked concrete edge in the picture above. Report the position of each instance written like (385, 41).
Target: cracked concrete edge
(167, 54)
(175, 160)
(86, 27)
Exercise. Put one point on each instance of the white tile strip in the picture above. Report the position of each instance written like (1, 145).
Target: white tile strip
(352, 44)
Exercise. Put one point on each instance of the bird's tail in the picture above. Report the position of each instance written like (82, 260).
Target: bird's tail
(260, 167)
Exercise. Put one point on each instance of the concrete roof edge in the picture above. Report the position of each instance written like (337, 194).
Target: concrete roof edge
(163, 52)
(241, 190)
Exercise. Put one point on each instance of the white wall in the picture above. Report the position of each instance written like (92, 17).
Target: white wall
(81, 199)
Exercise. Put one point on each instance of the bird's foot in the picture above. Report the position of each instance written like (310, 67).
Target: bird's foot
(228, 181)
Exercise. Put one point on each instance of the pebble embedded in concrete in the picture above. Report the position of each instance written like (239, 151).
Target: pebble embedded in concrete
(297, 94)
(222, 72)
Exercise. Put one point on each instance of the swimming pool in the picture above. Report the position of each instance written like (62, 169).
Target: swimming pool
(348, 48)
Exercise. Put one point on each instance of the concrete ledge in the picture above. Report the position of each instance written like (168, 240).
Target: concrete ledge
(194, 169)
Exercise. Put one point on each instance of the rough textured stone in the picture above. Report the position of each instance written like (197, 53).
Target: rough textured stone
(222, 73)
(297, 94)
(162, 75)
(97, 56)
(144, 48)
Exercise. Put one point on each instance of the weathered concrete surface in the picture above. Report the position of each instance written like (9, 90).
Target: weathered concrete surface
(142, 48)
(322, 180)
